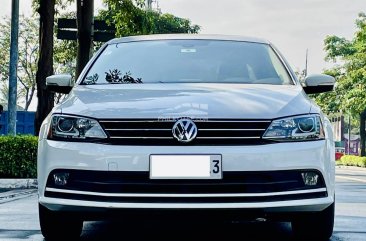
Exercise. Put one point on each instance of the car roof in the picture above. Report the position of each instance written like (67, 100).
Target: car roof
(187, 37)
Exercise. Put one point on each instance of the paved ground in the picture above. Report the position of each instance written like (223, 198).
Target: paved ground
(19, 221)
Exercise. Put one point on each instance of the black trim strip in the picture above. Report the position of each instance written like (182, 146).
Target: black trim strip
(140, 182)
(288, 197)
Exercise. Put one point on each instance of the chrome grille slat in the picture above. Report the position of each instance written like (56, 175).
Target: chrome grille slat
(126, 120)
(140, 137)
(236, 121)
(150, 121)
(159, 132)
(122, 129)
(232, 129)
(229, 137)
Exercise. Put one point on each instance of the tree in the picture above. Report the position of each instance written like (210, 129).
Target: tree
(27, 63)
(64, 57)
(351, 69)
(350, 72)
(46, 10)
(85, 16)
(4, 95)
(130, 18)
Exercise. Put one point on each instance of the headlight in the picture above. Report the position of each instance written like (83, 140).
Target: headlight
(74, 128)
(297, 128)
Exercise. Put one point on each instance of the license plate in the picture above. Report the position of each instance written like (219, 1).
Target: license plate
(185, 167)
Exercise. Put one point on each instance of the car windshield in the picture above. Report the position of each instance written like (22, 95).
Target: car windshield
(188, 61)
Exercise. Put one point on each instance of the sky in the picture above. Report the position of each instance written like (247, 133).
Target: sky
(291, 25)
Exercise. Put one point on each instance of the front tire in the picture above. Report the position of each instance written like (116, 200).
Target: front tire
(58, 225)
(315, 226)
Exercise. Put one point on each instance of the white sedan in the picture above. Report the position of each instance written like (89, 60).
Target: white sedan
(215, 125)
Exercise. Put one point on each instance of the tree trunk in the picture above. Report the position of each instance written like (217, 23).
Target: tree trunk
(30, 98)
(85, 19)
(45, 61)
(363, 133)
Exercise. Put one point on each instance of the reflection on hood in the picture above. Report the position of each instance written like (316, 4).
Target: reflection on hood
(211, 100)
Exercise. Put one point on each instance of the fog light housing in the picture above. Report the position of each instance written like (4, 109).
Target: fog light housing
(310, 178)
(61, 178)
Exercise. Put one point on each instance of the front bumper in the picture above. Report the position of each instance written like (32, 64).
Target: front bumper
(306, 205)
(111, 159)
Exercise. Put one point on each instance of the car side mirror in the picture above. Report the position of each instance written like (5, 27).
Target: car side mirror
(60, 83)
(318, 83)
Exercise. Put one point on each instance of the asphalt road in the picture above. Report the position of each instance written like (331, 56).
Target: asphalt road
(19, 221)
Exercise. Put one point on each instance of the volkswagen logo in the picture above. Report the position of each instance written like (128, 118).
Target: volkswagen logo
(184, 130)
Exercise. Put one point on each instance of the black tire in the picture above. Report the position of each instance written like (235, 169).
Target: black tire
(59, 225)
(315, 226)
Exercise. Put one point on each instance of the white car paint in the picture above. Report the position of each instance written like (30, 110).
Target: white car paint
(229, 101)
(158, 100)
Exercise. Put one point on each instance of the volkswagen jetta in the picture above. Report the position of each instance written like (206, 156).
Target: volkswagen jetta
(202, 124)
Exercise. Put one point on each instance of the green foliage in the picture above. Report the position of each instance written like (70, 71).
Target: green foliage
(130, 18)
(60, 4)
(28, 56)
(18, 156)
(338, 47)
(350, 92)
(168, 23)
(64, 53)
(349, 160)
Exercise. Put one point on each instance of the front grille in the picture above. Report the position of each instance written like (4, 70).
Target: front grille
(159, 132)
(140, 183)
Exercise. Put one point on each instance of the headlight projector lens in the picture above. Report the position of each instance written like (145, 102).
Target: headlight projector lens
(306, 124)
(65, 124)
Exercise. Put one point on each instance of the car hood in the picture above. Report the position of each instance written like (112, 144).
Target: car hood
(243, 101)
